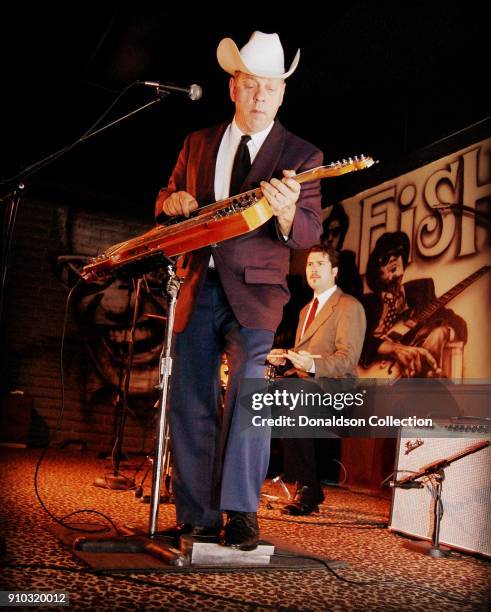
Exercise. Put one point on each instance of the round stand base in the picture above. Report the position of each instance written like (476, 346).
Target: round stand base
(427, 548)
(164, 499)
(118, 483)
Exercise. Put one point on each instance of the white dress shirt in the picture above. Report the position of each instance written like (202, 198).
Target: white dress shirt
(226, 155)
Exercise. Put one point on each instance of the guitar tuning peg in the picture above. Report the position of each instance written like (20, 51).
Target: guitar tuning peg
(350, 160)
(356, 158)
(344, 161)
(362, 156)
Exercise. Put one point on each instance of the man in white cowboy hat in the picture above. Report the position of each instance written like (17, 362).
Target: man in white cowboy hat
(234, 292)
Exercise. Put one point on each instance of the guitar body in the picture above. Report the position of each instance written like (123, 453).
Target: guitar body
(403, 332)
(194, 233)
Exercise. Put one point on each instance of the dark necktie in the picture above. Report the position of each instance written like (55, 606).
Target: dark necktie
(391, 315)
(241, 167)
(312, 312)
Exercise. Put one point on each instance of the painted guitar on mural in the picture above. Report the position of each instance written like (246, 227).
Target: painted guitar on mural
(207, 225)
(407, 330)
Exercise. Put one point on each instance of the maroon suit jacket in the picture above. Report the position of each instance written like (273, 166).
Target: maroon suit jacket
(252, 267)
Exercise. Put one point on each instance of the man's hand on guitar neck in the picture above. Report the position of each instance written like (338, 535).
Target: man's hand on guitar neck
(282, 196)
(411, 359)
(179, 203)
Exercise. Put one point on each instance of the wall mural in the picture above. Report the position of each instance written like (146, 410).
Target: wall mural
(422, 256)
(104, 313)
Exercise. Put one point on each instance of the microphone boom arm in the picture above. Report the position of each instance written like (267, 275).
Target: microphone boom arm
(436, 466)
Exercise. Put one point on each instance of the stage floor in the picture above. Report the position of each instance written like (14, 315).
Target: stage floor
(351, 527)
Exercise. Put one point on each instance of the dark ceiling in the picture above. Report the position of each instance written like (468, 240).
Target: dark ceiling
(380, 77)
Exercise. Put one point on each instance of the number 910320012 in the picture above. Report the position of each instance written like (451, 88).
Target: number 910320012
(34, 598)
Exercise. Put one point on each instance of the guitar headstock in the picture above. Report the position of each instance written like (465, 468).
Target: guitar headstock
(352, 164)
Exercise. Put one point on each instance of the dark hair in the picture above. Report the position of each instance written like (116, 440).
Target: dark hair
(389, 243)
(327, 250)
(337, 214)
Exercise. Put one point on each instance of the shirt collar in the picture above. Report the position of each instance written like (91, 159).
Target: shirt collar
(258, 138)
(324, 296)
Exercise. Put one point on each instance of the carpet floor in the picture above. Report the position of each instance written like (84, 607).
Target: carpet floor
(379, 574)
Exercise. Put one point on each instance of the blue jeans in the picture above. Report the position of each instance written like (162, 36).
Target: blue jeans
(215, 467)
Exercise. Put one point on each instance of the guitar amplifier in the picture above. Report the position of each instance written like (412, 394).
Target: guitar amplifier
(466, 488)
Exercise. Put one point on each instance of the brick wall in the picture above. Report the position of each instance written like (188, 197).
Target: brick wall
(34, 313)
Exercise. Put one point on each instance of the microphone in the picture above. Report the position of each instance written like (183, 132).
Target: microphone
(409, 484)
(193, 91)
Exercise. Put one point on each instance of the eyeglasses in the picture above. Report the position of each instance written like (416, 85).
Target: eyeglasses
(385, 258)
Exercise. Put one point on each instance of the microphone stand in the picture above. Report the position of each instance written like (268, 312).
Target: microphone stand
(161, 456)
(433, 548)
(435, 474)
(138, 539)
(10, 214)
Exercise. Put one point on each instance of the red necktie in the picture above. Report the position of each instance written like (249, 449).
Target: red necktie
(312, 312)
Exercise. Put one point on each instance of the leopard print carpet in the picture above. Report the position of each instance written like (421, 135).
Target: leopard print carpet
(380, 574)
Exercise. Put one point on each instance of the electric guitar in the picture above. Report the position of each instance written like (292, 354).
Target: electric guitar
(205, 226)
(405, 331)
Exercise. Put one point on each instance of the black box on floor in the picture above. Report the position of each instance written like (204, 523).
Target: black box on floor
(15, 419)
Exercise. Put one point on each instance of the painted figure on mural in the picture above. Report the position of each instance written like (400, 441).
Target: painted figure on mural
(393, 351)
(334, 230)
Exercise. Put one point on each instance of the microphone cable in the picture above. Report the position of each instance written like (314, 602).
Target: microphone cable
(61, 521)
(401, 583)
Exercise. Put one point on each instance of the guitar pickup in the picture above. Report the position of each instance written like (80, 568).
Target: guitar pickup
(181, 218)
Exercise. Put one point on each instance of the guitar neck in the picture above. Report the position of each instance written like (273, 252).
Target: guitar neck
(335, 169)
(247, 198)
(304, 177)
(440, 302)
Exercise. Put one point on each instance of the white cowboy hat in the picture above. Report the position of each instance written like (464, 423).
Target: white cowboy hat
(262, 56)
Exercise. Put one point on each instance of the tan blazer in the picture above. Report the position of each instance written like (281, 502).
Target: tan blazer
(336, 333)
